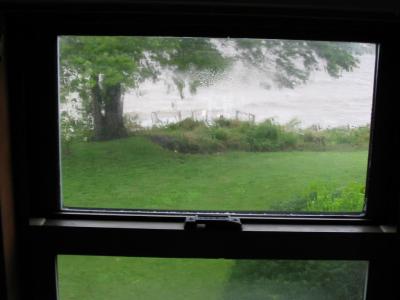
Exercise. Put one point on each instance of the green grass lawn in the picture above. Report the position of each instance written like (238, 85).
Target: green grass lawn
(122, 278)
(136, 173)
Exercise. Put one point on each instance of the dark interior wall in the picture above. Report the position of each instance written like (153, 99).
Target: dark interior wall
(2, 270)
(392, 9)
(2, 257)
(345, 5)
(8, 250)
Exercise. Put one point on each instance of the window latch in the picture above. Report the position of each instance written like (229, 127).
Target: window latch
(223, 223)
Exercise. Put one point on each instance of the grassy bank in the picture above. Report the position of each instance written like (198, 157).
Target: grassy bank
(190, 136)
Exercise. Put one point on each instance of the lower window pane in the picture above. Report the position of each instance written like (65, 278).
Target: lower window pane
(117, 278)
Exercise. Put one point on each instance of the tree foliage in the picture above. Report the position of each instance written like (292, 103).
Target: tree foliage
(291, 61)
(131, 60)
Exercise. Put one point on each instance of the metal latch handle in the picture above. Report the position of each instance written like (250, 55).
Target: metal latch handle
(223, 223)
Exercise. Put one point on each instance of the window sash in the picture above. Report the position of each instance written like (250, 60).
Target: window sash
(49, 238)
(380, 191)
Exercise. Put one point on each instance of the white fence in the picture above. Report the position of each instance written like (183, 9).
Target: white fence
(207, 116)
(243, 116)
(165, 117)
(161, 118)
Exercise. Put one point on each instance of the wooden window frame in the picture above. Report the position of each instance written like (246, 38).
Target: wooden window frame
(46, 230)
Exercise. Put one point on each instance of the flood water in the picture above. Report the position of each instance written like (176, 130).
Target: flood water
(323, 100)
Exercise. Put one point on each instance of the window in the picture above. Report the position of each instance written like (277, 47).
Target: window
(66, 240)
(203, 124)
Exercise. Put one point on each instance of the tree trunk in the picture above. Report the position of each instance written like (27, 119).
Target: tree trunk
(107, 111)
(97, 103)
(114, 122)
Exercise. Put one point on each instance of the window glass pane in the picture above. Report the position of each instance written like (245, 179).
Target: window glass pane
(90, 277)
(214, 124)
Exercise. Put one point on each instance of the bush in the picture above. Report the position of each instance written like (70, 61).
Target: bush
(269, 136)
(186, 124)
(73, 130)
(321, 197)
(355, 137)
(314, 140)
(191, 136)
(219, 134)
(227, 123)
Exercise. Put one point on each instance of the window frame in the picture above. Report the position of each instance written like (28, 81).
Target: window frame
(47, 231)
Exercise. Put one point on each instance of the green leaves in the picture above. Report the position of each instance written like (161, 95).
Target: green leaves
(116, 59)
(292, 61)
(338, 56)
(130, 60)
(195, 61)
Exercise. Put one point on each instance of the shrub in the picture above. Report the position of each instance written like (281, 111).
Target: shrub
(267, 130)
(185, 124)
(73, 129)
(325, 198)
(356, 137)
(314, 140)
(269, 136)
(219, 134)
(191, 136)
(224, 122)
